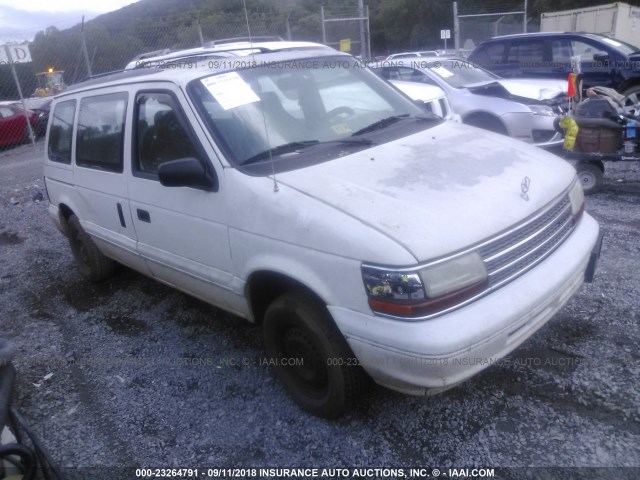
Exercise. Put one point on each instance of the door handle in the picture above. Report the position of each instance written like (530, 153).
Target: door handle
(143, 215)
(121, 216)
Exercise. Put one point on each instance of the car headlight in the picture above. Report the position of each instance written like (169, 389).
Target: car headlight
(424, 290)
(576, 197)
(542, 110)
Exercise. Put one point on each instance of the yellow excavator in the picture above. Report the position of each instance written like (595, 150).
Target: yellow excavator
(50, 83)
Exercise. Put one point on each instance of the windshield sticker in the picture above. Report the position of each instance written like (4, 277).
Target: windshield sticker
(230, 90)
(443, 72)
(341, 128)
(611, 41)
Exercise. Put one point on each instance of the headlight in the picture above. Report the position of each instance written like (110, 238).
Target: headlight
(542, 110)
(576, 196)
(454, 274)
(425, 290)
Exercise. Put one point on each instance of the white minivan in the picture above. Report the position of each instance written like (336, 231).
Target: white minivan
(293, 187)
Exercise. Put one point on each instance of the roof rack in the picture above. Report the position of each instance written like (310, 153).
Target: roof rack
(117, 74)
(214, 43)
(155, 53)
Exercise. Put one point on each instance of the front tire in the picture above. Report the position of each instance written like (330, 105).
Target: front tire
(487, 122)
(311, 357)
(92, 264)
(632, 96)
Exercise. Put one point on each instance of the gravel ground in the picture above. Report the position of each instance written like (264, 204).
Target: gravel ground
(145, 376)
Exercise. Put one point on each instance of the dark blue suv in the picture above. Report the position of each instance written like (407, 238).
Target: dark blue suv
(605, 61)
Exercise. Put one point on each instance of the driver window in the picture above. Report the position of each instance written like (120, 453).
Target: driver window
(160, 133)
(585, 50)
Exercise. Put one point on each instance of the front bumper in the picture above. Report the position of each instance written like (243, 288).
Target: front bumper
(433, 355)
(522, 126)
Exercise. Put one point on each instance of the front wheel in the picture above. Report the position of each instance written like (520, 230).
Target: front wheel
(487, 122)
(590, 177)
(632, 96)
(311, 357)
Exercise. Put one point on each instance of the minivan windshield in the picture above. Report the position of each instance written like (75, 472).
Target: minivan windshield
(296, 108)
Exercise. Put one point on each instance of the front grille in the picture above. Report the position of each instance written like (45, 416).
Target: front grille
(520, 249)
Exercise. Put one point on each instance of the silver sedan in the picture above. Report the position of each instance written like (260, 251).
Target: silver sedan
(520, 108)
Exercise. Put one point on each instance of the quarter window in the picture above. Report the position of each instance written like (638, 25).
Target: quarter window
(61, 132)
(160, 134)
(100, 136)
(530, 52)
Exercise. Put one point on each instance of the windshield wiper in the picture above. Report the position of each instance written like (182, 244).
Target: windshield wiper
(385, 122)
(297, 146)
(280, 150)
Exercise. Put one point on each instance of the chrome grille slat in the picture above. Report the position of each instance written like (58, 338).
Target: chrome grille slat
(512, 254)
(544, 246)
(544, 229)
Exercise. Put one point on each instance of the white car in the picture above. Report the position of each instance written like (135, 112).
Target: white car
(433, 98)
(302, 192)
(520, 108)
(425, 53)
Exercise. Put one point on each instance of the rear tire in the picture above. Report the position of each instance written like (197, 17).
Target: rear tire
(325, 378)
(590, 177)
(487, 122)
(92, 264)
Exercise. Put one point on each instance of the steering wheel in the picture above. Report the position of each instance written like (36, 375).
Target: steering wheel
(343, 112)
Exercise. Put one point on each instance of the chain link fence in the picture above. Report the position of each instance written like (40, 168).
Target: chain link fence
(493, 18)
(60, 56)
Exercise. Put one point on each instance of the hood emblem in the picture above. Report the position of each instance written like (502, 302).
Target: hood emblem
(526, 183)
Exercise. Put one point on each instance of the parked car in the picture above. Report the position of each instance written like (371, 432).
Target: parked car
(40, 106)
(294, 189)
(605, 61)
(523, 109)
(13, 124)
(426, 53)
(432, 98)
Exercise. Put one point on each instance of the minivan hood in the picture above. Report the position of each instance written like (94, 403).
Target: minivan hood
(438, 191)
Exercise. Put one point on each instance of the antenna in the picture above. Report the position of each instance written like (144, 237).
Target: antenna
(264, 118)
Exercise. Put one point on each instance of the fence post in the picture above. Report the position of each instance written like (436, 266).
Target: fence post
(84, 49)
(289, 25)
(200, 31)
(24, 106)
(456, 29)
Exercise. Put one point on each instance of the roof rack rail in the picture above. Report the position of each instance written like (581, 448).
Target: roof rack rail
(155, 53)
(266, 38)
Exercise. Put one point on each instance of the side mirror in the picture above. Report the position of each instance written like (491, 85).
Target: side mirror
(186, 172)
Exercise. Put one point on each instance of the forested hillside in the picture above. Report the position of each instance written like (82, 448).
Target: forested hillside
(114, 38)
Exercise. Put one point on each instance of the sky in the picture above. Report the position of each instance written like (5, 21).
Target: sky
(21, 20)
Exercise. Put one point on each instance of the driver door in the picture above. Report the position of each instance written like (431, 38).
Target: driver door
(181, 231)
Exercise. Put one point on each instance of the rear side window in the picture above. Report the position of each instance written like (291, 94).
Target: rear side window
(61, 132)
(100, 136)
(529, 52)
